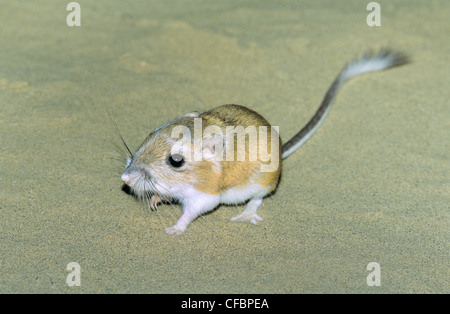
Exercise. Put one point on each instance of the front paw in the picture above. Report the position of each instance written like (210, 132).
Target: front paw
(175, 230)
(154, 201)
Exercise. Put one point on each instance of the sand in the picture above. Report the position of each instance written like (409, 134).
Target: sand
(371, 186)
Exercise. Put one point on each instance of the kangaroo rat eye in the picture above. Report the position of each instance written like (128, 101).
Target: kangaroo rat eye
(176, 160)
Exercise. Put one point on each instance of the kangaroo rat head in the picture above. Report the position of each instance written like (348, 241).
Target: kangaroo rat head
(160, 166)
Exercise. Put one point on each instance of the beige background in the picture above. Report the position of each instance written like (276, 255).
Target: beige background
(371, 186)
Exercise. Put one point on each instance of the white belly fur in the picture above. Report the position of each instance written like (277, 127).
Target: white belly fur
(241, 195)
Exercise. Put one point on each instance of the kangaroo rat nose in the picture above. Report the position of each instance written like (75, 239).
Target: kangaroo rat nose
(126, 178)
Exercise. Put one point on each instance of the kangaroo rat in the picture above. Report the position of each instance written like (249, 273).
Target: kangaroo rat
(194, 171)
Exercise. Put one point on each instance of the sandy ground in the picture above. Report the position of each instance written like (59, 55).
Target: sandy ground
(371, 186)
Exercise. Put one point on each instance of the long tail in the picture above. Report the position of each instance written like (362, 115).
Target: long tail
(370, 62)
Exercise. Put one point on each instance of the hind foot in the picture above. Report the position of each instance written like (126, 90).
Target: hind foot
(249, 214)
(253, 218)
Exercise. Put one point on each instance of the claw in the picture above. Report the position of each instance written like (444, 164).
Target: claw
(154, 201)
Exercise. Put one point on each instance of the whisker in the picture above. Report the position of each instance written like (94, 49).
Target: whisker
(116, 129)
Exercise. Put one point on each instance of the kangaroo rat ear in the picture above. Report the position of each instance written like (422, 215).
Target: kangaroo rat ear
(212, 147)
(193, 114)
